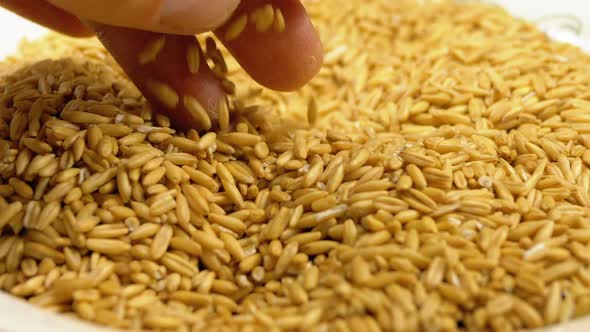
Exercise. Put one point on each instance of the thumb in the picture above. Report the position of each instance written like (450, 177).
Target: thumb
(186, 17)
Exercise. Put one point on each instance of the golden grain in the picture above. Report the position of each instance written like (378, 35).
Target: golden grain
(431, 183)
(163, 93)
(312, 110)
(229, 222)
(197, 111)
(193, 58)
(178, 264)
(279, 24)
(9, 212)
(151, 50)
(207, 240)
(236, 28)
(107, 246)
(263, 17)
(161, 241)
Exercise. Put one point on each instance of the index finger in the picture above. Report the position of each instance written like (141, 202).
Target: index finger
(282, 59)
(183, 17)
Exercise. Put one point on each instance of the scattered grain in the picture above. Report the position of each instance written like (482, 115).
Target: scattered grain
(432, 185)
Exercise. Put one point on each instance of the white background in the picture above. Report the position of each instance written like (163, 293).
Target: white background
(13, 30)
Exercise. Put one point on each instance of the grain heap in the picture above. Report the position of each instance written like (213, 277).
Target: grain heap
(441, 184)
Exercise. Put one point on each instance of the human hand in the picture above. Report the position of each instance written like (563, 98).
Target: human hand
(280, 60)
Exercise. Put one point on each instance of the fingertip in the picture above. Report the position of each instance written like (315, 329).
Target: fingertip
(165, 67)
(280, 60)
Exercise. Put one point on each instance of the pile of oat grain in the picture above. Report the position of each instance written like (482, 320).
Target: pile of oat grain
(433, 177)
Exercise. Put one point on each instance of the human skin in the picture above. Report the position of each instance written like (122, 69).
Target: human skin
(281, 61)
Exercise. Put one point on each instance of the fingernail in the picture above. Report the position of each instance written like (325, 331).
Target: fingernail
(194, 16)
